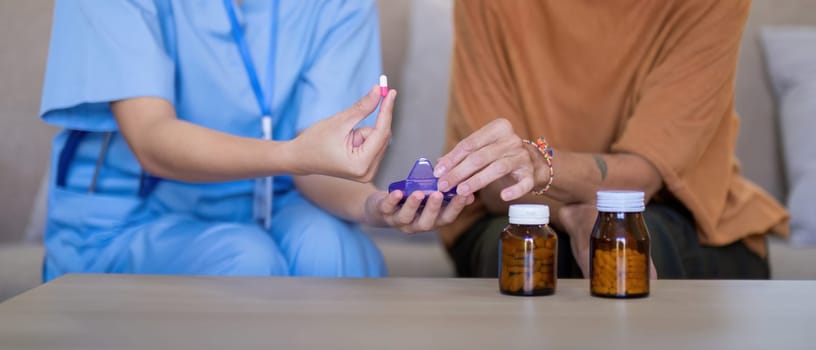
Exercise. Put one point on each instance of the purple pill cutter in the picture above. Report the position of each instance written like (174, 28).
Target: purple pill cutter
(420, 178)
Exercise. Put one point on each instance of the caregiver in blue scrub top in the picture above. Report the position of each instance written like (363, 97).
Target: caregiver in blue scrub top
(162, 105)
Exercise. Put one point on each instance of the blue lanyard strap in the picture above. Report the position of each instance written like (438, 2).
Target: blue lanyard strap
(243, 50)
(262, 206)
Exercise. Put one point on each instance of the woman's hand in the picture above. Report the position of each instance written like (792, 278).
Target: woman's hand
(383, 209)
(334, 147)
(490, 153)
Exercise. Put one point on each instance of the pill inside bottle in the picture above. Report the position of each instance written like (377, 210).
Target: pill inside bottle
(528, 252)
(619, 247)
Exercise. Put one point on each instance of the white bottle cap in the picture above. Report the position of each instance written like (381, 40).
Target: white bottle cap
(620, 201)
(529, 214)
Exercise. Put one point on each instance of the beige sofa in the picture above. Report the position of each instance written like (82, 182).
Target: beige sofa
(416, 41)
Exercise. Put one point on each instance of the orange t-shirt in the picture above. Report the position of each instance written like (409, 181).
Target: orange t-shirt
(648, 77)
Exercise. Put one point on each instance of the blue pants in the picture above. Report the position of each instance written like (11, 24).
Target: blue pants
(304, 241)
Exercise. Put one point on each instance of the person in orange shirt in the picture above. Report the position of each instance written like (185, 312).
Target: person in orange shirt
(629, 94)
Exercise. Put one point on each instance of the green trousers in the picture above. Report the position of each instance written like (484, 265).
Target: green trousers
(675, 249)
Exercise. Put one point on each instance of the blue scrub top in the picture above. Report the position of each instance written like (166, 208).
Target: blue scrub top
(328, 56)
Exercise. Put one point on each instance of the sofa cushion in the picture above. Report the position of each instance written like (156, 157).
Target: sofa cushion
(791, 57)
(20, 268)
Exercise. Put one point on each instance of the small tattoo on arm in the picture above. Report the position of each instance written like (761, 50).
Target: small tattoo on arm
(601, 163)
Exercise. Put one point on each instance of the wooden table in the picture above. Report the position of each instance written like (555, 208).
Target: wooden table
(163, 312)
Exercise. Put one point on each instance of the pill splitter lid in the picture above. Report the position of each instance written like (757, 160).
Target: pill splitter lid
(420, 178)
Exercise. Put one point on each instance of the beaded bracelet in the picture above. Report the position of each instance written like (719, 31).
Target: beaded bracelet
(542, 146)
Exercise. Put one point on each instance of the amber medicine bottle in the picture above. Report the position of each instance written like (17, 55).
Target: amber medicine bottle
(528, 252)
(619, 247)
